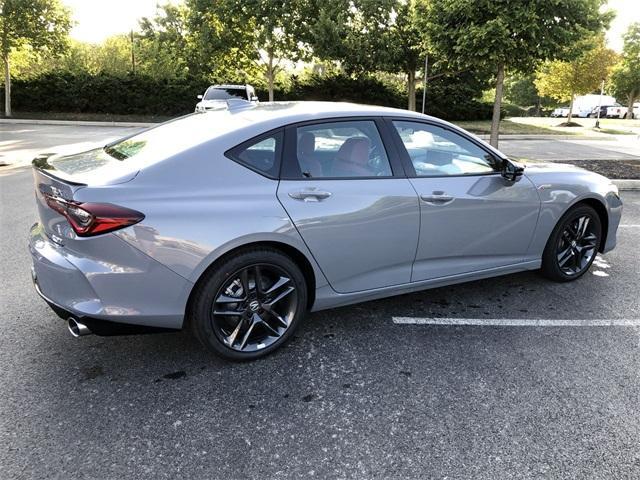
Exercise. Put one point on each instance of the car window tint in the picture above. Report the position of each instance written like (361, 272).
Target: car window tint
(220, 93)
(261, 154)
(436, 151)
(341, 150)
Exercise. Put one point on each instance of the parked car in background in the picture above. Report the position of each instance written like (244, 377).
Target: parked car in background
(560, 112)
(583, 111)
(619, 111)
(216, 96)
(583, 105)
(234, 223)
(603, 110)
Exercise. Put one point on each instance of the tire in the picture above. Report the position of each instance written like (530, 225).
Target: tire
(271, 311)
(567, 256)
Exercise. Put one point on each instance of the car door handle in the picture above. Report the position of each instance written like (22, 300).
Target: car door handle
(437, 199)
(310, 195)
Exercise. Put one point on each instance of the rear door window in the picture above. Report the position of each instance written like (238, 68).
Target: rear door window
(344, 149)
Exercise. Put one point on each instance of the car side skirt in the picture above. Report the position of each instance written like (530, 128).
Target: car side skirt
(327, 298)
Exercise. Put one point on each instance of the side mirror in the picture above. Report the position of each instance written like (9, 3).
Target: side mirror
(511, 171)
(199, 97)
(254, 98)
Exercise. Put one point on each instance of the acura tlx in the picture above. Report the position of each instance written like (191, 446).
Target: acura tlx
(235, 222)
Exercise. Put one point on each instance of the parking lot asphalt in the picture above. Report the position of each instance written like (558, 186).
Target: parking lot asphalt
(619, 147)
(354, 395)
(19, 143)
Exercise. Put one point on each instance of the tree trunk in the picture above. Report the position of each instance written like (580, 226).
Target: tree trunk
(497, 104)
(570, 116)
(270, 75)
(632, 100)
(7, 86)
(411, 90)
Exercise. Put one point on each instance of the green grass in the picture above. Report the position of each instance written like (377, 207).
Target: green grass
(612, 131)
(510, 128)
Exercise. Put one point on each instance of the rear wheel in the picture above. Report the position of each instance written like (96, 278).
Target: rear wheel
(573, 244)
(250, 304)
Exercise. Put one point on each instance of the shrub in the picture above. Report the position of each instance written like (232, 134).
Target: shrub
(447, 98)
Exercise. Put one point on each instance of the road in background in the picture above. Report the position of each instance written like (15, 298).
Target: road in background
(354, 395)
(19, 143)
(618, 147)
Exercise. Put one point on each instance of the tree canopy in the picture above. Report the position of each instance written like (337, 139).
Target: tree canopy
(41, 24)
(625, 78)
(563, 80)
(499, 35)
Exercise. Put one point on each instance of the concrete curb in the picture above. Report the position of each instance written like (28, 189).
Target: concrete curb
(75, 123)
(627, 185)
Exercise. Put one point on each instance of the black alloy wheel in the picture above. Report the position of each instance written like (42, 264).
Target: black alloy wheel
(250, 304)
(254, 308)
(577, 245)
(573, 245)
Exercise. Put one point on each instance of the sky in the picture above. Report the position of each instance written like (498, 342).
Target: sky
(628, 11)
(98, 19)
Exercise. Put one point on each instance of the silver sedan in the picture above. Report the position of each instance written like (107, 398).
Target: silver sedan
(234, 223)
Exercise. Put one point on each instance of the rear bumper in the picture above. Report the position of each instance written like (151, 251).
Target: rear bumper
(97, 326)
(122, 286)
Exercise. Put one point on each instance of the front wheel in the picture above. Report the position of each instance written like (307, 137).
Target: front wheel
(249, 305)
(573, 244)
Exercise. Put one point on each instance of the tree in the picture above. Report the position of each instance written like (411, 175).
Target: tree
(521, 90)
(372, 36)
(564, 80)
(496, 35)
(162, 43)
(625, 78)
(261, 35)
(216, 41)
(42, 24)
(276, 28)
(406, 44)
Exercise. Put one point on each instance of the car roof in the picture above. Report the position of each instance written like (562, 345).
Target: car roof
(229, 127)
(242, 121)
(251, 119)
(283, 113)
(230, 86)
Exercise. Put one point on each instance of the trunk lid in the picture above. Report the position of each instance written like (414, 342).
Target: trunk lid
(61, 176)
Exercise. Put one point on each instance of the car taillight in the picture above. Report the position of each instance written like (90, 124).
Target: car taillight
(88, 219)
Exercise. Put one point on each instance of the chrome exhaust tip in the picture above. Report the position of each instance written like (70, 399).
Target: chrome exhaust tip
(77, 329)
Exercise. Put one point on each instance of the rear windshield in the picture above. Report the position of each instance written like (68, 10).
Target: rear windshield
(125, 157)
(225, 93)
(162, 141)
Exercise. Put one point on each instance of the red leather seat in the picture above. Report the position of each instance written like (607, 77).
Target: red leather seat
(352, 159)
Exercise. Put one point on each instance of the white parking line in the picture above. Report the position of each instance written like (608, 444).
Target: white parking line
(518, 322)
(629, 226)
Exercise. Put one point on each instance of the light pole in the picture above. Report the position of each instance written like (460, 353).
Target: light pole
(600, 104)
(133, 55)
(424, 86)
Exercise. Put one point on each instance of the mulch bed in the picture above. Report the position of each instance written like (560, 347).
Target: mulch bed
(614, 169)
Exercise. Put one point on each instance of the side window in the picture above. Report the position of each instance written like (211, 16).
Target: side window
(341, 150)
(260, 155)
(436, 151)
